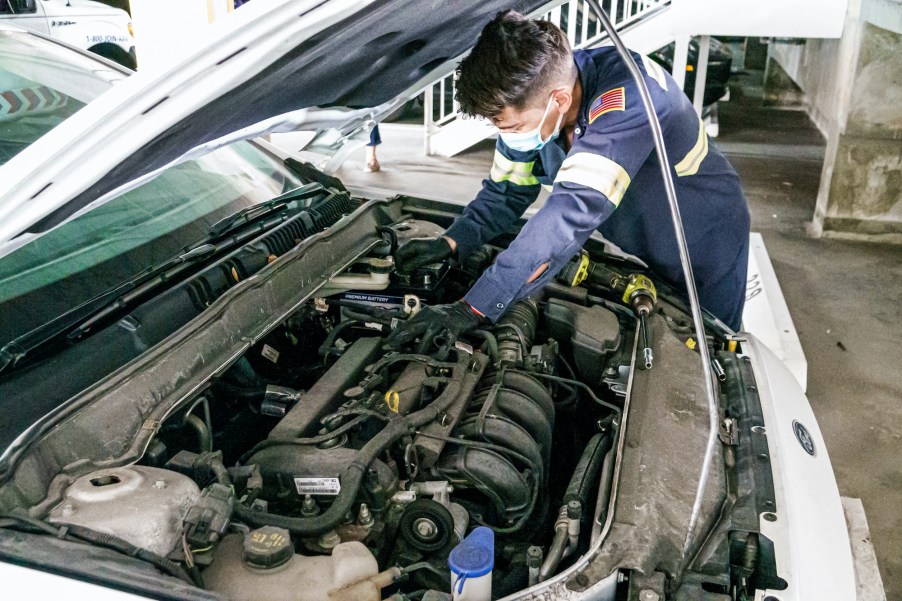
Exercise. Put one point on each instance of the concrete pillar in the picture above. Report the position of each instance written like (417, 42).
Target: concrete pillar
(780, 91)
(861, 185)
(853, 92)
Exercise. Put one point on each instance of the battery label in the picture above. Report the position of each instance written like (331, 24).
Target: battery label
(382, 299)
(317, 486)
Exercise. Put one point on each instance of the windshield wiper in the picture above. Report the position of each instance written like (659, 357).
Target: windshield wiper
(74, 324)
(240, 219)
(113, 299)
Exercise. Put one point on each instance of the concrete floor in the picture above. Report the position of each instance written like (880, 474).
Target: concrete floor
(845, 297)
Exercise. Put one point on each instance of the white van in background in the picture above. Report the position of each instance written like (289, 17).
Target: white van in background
(91, 25)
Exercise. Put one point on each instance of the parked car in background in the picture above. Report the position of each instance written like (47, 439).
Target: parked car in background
(102, 29)
(720, 59)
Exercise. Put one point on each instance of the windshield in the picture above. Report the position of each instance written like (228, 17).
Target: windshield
(131, 233)
(41, 84)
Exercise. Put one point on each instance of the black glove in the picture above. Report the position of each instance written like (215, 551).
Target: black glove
(417, 253)
(447, 321)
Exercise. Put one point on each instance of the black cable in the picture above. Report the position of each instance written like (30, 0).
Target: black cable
(352, 475)
(491, 344)
(329, 342)
(574, 394)
(585, 387)
(312, 440)
(392, 237)
(101, 539)
(424, 565)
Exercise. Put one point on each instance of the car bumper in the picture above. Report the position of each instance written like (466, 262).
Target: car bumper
(808, 529)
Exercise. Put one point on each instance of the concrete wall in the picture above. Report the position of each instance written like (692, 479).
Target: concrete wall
(853, 92)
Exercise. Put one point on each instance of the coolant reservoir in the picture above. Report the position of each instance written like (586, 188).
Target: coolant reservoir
(262, 566)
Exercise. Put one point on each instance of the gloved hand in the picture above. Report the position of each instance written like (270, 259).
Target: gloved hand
(417, 253)
(449, 321)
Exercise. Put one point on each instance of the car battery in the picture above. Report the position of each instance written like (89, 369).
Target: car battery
(425, 286)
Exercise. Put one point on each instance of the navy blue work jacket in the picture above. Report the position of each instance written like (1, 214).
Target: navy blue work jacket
(610, 180)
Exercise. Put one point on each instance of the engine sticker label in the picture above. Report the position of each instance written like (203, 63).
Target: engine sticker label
(463, 346)
(270, 353)
(317, 486)
(381, 299)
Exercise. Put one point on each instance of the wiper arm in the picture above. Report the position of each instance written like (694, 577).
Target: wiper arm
(95, 309)
(79, 321)
(246, 215)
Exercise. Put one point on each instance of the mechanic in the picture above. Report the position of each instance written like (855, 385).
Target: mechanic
(574, 119)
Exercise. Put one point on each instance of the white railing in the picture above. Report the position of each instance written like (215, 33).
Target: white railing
(582, 27)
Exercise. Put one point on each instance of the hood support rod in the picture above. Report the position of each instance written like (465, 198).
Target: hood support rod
(692, 293)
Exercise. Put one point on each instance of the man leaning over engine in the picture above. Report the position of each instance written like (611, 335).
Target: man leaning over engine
(574, 120)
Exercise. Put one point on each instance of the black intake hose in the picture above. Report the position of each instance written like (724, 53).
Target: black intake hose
(467, 370)
(585, 477)
(516, 330)
(253, 393)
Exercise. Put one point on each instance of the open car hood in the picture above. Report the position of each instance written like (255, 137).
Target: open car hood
(266, 60)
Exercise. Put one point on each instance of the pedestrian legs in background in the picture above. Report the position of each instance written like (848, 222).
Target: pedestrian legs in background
(372, 163)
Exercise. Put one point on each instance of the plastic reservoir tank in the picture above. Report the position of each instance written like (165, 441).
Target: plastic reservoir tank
(262, 566)
(471, 564)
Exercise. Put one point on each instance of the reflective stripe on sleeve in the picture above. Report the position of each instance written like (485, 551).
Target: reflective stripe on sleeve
(596, 172)
(693, 159)
(655, 71)
(519, 174)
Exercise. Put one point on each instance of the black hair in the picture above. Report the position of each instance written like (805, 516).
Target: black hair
(515, 61)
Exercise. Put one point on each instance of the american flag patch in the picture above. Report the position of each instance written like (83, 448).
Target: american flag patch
(612, 100)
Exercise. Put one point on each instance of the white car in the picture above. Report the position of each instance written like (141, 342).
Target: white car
(197, 403)
(86, 24)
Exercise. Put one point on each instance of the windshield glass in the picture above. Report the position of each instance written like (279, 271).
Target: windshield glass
(41, 84)
(131, 233)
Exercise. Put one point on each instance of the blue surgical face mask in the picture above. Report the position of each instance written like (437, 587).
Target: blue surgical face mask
(532, 140)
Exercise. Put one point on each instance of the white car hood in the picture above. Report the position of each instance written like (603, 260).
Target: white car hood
(269, 58)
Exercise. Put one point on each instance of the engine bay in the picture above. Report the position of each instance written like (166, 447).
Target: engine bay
(369, 457)
(319, 464)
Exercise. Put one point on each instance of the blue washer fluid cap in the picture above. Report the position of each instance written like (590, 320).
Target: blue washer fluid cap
(475, 555)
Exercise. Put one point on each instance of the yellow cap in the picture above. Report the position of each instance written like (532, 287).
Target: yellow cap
(392, 399)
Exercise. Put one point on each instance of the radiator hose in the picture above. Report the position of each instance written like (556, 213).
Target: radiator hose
(576, 499)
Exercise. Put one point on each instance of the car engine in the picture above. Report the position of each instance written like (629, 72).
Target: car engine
(346, 458)
(277, 448)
